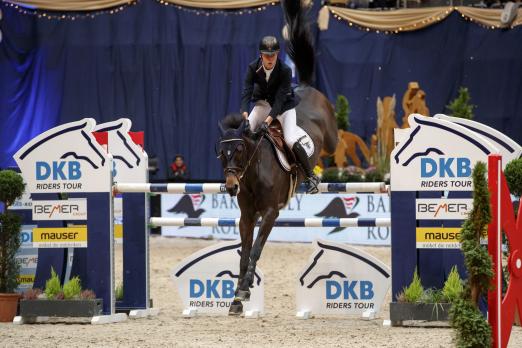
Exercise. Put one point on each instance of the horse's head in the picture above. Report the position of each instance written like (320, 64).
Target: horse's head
(232, 151)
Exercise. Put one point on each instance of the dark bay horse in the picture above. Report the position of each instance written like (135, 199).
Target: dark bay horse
(250, 165)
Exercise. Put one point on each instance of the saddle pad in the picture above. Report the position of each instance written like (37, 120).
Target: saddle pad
(281, 156)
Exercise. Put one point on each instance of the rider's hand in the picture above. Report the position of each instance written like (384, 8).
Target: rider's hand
(263, 128)
(245, 115)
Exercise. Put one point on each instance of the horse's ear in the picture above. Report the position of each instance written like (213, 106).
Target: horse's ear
(245, 127)
(221, 129)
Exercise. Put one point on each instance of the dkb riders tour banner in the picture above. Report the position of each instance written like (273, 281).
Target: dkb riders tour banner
(301, 206)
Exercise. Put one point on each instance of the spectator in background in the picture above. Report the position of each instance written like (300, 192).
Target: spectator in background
(178, 169)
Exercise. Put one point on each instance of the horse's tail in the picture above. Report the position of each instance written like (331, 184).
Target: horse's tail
(299, 44)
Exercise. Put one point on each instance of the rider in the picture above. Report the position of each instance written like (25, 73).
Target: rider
(268, 84)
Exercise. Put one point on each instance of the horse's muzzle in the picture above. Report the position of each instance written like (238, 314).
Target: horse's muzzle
(232, 183)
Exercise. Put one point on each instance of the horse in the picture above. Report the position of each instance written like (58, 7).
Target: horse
(250, 166)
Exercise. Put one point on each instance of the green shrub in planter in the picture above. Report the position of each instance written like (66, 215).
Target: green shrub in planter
(11, 188)
(53, 286)
(414, 291)
(513, 174)
(72, 288)
(342, 112)
(433, 296)
(453, 286)
(461, 106)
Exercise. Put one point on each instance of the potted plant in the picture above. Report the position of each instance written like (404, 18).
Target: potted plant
(417, 303)
(57, 301)
(11, 188)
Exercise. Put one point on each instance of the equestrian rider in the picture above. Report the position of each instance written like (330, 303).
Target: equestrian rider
(268, 85)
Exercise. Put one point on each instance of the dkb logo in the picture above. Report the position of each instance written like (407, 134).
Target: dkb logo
(446, 167)
(349, 290)
(212, 288)
(26, 237)
(58, 170)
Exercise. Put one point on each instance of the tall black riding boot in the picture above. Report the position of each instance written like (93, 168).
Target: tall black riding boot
(312, 181)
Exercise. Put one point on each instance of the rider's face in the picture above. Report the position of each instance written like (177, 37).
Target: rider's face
(269, 60)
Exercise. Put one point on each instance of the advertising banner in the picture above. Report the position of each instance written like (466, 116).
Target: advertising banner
(73, 209)
(300, 206)
(60, 237)
(27, 257)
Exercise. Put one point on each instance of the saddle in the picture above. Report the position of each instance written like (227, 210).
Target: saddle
(285, 155)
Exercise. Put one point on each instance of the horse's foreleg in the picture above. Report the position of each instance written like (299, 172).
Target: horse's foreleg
(268, 219)
(246, 230)
(247, 223)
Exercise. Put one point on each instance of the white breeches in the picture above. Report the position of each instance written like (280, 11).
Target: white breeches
(291, 131)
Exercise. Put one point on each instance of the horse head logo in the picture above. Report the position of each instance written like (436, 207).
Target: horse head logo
(127, 155)
(506, 146)
(66, 158)
(70, 141)
(207, 279)
(340, 274)
(436, 137)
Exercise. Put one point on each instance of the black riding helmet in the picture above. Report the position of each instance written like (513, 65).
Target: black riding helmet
(269, 45)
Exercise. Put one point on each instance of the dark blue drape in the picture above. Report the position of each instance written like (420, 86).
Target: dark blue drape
(365, 65)
(176, 73)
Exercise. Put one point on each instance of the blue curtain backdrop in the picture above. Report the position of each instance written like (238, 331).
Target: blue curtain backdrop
(176, 73)
(365, 65)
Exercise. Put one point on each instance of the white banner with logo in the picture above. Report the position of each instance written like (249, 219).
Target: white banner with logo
(301, 206)
(27, 257)
(24, 202)
(421, 163)
(66, 158)
(443, 209)
(339, 279)
(72, 209)
(206, 280)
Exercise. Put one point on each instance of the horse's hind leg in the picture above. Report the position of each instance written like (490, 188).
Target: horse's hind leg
(268, 218)
(246, 230)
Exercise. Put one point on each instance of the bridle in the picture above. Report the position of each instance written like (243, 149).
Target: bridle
(238, 172)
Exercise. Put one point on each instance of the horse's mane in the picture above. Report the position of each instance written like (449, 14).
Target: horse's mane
(299, 45)
(231, 121)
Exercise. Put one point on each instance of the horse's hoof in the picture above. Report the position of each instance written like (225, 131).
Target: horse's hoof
(242, 295)
(236, 308)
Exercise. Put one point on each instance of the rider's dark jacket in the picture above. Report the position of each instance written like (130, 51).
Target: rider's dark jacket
(277, 91)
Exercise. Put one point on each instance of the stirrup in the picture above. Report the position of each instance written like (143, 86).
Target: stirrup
(312, 185)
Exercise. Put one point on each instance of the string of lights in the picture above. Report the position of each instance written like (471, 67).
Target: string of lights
(209, 12)
(77, 15)
(421, 24)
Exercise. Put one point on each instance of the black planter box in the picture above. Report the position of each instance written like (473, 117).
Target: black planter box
(401, 311)
(61, 308)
